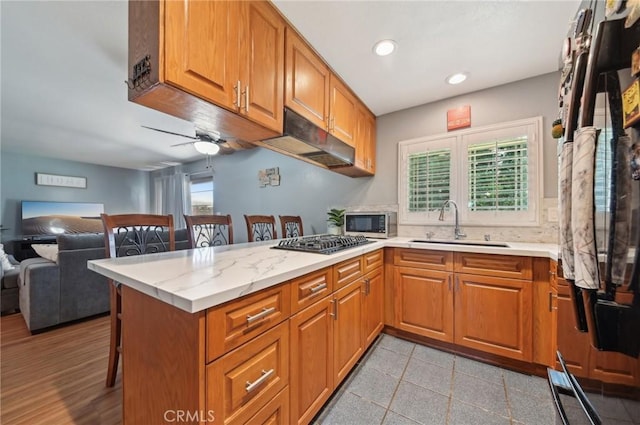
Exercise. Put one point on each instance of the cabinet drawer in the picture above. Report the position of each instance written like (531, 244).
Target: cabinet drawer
(372, 260)
(276, 412)
(424, 259)
(509, 266)
(346, 272)
(310, 288)
(241, 382)
(236, 322)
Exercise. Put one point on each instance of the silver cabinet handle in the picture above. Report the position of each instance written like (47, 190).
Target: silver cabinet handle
(246, 99)
(316, 289)
(335, 310)
(551, 307)
(367, 285)
(264, 313)
(238, 90)
(449, 281)
(266, 374)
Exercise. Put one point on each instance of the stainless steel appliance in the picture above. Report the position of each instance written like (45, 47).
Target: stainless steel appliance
(379, 225)
(322, 244)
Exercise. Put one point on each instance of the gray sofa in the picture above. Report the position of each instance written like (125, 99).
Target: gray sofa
(53, 293)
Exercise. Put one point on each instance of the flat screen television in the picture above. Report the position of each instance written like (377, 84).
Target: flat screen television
(44, 218)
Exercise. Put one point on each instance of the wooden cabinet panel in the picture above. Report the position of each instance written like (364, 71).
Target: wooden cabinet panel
(191, 25)
(372, 260)
(244, 380)
(276, 411)
(311, 360)
(346, 272)
(365, 145)
(424, 259)
(347, 330)
(310, 288)
(262, 64)
(510, 266)
(494, 315)
(573, 344)
(614, 367)
(545, 307)
(342, 109)
(307, 81)
(373, 310)
(238, 321)
(424, 302)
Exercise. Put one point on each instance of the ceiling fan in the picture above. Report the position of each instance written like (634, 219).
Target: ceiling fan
(207, 143)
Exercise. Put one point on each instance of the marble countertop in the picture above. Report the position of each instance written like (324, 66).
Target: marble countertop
(196, 279)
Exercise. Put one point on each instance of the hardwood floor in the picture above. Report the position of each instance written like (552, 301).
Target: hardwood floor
(57, 377)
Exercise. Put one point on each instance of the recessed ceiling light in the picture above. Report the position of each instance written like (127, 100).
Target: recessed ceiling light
(384, 47)
(457, 78)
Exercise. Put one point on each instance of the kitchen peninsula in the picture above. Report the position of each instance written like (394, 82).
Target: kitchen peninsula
(246, 333)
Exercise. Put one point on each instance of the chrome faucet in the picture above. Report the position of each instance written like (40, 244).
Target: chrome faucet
(456, 231)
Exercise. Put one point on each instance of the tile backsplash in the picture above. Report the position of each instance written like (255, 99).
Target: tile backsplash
(547, 232)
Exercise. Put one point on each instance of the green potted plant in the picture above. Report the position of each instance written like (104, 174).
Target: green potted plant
(335, 220)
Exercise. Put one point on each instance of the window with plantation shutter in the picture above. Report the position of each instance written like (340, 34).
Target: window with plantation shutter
(493, 173)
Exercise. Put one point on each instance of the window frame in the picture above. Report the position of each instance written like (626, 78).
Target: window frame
(196, 180)
(459, 143)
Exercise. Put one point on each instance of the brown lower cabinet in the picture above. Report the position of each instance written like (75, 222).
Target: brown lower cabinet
(458, 298)
(582, 359)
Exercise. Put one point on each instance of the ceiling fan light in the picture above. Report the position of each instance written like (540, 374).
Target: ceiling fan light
(206, 148)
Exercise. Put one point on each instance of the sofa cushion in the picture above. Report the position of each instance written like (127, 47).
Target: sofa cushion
(47, 250)
(10, 278)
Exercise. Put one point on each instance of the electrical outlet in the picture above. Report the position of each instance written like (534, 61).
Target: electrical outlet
(552, 215)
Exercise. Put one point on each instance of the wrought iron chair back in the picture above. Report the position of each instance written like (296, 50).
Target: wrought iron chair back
(261, 227)
(291, 226)
(127, 235)
(209, 230)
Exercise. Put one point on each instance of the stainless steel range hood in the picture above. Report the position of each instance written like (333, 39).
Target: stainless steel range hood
(306, 140)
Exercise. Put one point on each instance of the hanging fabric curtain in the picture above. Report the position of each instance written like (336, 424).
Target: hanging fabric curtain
(172, 196)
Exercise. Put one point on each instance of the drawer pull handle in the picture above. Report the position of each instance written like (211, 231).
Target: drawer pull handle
(264, 313)
(266, 374)
(318, 288)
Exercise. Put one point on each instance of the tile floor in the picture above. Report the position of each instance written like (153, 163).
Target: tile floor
(399, 382)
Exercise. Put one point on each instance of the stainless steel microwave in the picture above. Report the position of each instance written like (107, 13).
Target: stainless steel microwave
(371, 224)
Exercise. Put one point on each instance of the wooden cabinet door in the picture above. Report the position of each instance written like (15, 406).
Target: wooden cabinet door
(373, 311)
(342, 111)
(494, 315)
(424, 302)
(361, 139)
(262, 64)
(306, 81)
(370, 143)
(614, 367)
(311, 360)
(347, 329)
(201, 48)
(545, 308)
(572, 344)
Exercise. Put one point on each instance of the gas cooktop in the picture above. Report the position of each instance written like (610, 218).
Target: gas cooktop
(322, 244)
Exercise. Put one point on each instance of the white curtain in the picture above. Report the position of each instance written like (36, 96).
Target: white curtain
(173, 196)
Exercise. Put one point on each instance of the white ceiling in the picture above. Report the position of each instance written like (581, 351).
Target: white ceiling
(64, 65)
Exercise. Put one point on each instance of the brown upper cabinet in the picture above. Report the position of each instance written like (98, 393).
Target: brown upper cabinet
(316, 93)
(217, 64)
(230, 53)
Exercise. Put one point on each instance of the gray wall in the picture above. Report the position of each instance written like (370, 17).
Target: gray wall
(308, 191)
(120, 190)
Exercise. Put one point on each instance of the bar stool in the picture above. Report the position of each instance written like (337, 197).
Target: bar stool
(209, 230)
(261, 227)
(127, 235)
(291, 226)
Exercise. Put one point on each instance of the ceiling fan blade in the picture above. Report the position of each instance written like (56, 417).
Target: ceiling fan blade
(170, 132)
(182, 144)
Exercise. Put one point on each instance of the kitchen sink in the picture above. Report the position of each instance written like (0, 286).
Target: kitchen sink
(459, 242)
